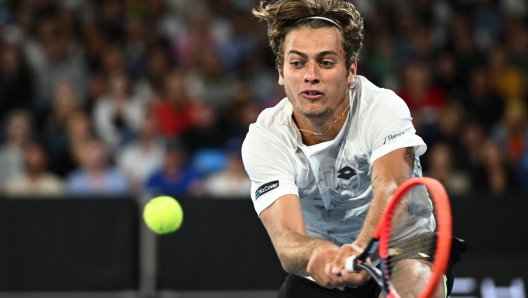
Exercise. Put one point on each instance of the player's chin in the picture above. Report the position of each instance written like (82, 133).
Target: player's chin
(315, 113)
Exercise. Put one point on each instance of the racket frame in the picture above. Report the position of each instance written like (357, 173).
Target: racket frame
(381, 238)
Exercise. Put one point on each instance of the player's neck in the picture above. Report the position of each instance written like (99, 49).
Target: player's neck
(314, 132)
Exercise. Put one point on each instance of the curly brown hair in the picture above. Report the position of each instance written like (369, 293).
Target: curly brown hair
(283, 16)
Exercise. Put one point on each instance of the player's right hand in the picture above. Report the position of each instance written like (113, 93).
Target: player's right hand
(319, 267)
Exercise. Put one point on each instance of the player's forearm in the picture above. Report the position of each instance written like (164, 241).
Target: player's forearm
(294, 250)
(388, 172)
(382, 193)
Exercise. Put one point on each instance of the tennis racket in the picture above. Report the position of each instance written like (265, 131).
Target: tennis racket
(390, 243)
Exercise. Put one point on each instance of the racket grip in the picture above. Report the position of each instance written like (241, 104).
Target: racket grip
(349, 264)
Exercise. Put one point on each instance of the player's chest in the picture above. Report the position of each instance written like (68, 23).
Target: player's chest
(333, 176)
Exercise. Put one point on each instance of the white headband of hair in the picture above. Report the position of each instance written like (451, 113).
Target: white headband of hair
(319, 18)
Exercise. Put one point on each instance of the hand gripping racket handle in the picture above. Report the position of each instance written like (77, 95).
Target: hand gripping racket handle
(352, 265)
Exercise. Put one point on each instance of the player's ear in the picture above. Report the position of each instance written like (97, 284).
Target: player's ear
(281, 78)
(352, 73)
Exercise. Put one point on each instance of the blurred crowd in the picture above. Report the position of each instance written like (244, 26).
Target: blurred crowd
(122, 97)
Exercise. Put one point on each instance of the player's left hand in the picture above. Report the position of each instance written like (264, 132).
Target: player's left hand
(337, 267)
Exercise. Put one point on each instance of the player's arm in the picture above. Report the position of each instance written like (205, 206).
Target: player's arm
(298, 253)
(388, 172)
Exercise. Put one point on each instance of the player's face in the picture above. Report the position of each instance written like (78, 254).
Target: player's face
(314, 74)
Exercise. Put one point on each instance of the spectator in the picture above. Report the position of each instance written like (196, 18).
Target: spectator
(441, 167)
(135, 46)
(505, 78)
(382, 62)
(230, 183)
(78, 131)
(55, 128)
(54, 58)
(175, 110)
(16, 85)
(189, 47)
(486, 23)
(517, 43)
(112, 59)
(98, 88)
(511, 134)
(241, 43)
(65, 103)
(447, 75)
(94, 177)
(57, 57)
(207, 132)
(473, 135)
(449, 127)
(18, 135)
(117, 115)
(36, 181)
(211, 83)
(111, 19)
(159, 64)
(242, 113)
(482, 103)
(425, 100)
(495, 176)
(95, 43)
(141, 158)
(261, 81)
(462, 44)
(177, 177)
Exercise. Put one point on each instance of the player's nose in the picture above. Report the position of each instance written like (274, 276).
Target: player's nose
(312, 74)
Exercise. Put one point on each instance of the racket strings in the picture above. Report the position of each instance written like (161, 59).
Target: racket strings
(412, 238)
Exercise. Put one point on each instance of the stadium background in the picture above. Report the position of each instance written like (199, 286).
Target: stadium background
(104, 104)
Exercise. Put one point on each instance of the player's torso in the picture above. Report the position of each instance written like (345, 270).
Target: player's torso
(333, 179)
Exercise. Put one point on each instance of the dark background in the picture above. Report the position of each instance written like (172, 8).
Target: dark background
(92, 245)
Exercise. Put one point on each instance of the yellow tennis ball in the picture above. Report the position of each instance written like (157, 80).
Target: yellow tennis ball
(163, 215)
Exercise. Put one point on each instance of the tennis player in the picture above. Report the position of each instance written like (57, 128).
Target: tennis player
(325, 160)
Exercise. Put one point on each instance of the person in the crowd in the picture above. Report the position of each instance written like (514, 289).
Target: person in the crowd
(175, 109)
(441, 167)
(118, 114)
(143, 156)
(176, 177)
(95, 177)
(36, 181)
(18, 133)
(232, 182)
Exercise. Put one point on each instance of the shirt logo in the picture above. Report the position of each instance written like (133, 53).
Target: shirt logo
(392, 137)
(346, 173)
(265, 188)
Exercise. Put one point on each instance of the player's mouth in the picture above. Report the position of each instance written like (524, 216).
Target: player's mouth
(312, 94)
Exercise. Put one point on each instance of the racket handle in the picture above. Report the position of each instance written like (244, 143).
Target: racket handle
(349, 264)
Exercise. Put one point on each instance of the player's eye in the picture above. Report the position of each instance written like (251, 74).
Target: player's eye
(296, 64)
(327, 63)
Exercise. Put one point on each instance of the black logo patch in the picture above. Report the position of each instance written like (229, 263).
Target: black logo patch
(265, 188)
(346, 173)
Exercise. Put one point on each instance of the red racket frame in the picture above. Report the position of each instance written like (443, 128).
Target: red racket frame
(443, 227)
